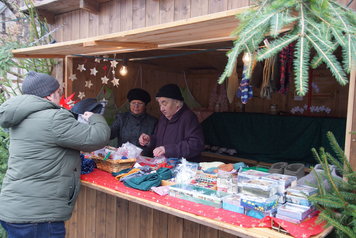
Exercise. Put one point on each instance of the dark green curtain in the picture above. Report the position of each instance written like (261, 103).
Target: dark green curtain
(272, 138)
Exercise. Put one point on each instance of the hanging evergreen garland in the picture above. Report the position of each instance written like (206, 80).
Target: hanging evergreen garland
(320, 25)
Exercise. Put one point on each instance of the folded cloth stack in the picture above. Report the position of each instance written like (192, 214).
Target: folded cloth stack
(145, 182)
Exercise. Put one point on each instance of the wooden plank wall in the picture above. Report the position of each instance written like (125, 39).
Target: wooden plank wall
(121, 15)
(97, 214)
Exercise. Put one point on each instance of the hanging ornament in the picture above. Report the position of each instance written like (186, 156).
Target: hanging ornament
(73, 77)
(104, 80)
(81, 67)
(93, 71)
(68, 102)
(114, 63)
(88, 84)
(81, 95)
(97, 60)
(115, 82)
(113, 72)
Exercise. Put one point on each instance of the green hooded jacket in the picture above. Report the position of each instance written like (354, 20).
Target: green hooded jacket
(43, 177)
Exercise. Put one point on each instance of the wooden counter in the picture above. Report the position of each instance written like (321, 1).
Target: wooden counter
(104, 212)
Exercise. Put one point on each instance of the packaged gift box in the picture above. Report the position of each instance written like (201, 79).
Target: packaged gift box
(301, 190)
(258, 187)
(259, 203)
(232, 203)
(294, 211)
(284, 181)
(197, 194)
(250, 174)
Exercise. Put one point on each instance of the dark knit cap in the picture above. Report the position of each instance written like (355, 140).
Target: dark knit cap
(87, 105)
(170, 91)
(39, 84)
(139, 94)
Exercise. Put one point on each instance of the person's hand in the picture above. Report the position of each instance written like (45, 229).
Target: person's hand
(159, 151)
(144, 139)
(86, 115)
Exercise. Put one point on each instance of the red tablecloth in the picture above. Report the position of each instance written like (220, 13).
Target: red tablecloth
(306, 229)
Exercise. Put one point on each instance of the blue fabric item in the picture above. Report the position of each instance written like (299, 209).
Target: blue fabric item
(239, 165)
(88, 165)
(255, 214)
(210, 170)
(173, 161)
(35, 230)
(151, 180)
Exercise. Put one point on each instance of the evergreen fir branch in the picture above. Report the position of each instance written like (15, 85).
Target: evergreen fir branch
(301, 67)
(327, 201)
(337, 225)
(334, 161)
(314, 25)
(317, 60)
(338, 151)
(331, 62)
(327, 44)
(338, 35)
(276, 24)
(349, 196)
(276, 46)
(346, 51)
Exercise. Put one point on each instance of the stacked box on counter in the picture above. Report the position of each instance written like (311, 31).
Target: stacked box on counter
(284, 182)
(250, 174)
(233, 203)
(227, 182)
(299, 194)
(205, 180)
(259, 203)
(258, 187)
(293, 212)
(197, 194)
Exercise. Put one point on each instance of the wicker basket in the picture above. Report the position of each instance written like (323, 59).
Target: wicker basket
(111, 166)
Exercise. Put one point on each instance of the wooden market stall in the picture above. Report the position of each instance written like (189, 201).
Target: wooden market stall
(178, 41)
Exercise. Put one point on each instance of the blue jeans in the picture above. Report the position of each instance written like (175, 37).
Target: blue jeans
(35, 230)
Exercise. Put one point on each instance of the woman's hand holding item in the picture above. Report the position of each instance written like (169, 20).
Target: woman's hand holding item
(86, 115)
(159, 151)
(144, 139)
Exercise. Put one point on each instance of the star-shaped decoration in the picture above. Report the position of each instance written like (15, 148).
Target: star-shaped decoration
(73, 77)
(262, 224)
(81, 67)
(97, 60)
(88, 84)
(104, 80)
(93, 71)
(81, 95)
(113, 72)
(114, 63)
(115, 82)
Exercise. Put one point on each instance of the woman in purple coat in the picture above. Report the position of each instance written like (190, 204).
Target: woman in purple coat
(178, 132)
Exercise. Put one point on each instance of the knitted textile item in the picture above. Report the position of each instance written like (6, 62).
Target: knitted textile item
(170, 91)
(39, 84)
(138, 94)
(151, 180)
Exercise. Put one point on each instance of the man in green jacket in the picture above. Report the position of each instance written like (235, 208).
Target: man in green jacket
(43, 177)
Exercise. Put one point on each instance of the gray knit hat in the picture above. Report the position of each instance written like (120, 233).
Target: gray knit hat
(39, 84)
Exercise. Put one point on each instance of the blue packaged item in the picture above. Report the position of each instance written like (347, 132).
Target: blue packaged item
(259, 203)
(232, 203)
(295, 211)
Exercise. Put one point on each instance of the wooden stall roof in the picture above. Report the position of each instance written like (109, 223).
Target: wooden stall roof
(210, 28)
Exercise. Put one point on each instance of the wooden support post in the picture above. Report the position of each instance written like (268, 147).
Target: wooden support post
(350, 138)
(68, 66)
(90, 6)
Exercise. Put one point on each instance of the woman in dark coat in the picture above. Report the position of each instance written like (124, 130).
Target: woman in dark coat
(128, 126)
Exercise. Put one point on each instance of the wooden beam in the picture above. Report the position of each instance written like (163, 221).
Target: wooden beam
(350, 139)
(43, 56)
(90, 6)
(119, 44)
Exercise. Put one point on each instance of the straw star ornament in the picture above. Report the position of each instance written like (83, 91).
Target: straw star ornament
(93, 71)
(88, 84)
(73, 77)
(104, 80)
(114, 63)
(81, 95)
(115, 82)
(81, 67)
